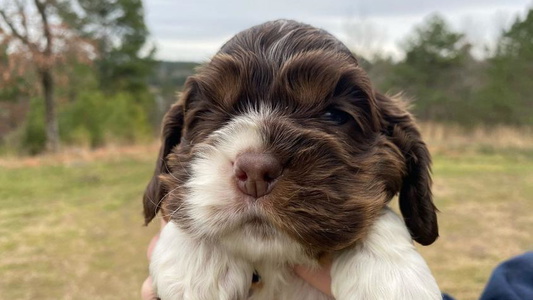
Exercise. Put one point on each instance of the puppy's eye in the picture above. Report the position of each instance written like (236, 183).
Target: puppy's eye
(336, 116)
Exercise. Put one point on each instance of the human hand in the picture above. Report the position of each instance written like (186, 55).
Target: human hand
(147, 293)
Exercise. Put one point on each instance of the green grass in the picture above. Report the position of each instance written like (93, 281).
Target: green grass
(74, 231)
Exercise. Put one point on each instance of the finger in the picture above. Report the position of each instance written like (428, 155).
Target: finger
(146, 291)
(319, 278)
(151, 246)
(154, 240)
(163, 223)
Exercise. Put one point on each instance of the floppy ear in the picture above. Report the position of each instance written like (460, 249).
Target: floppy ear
(171, 136)
(416, 202)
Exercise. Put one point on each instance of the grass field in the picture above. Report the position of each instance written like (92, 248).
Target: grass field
(73, 229)
(71, 226)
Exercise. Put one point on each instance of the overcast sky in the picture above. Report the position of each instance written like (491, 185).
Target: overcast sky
(193, 30)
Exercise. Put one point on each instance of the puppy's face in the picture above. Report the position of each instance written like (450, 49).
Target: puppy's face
(281, 136)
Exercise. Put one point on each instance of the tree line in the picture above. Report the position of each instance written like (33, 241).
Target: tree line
(81, 72)
(448, 84)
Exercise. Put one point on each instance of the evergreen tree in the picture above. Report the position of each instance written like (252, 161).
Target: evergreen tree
(435, 58)
(507, 96)
(120, 35)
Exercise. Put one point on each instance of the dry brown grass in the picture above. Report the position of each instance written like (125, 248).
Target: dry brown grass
(452, 138)
(73, 155)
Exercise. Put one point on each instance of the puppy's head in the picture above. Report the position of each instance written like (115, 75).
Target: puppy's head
(281, 133)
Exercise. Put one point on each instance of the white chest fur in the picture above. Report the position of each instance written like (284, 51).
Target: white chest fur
(385, 265)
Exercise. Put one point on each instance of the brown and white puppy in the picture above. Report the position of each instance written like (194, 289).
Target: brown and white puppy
(279, 150)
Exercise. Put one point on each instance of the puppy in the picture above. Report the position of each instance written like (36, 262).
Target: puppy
(279, 151)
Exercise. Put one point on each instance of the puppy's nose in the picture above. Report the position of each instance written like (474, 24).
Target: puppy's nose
(256, 173)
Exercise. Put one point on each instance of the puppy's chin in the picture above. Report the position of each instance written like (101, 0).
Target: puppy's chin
(242, 226)
(258, 241)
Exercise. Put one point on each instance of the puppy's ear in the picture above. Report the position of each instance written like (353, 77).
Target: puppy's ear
(416, 202)
(171, 136)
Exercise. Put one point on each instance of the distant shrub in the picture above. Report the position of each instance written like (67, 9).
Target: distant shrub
(33, 139)
(95, 119)
(126, 119)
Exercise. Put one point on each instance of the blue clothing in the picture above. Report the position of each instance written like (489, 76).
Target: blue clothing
(511, 280)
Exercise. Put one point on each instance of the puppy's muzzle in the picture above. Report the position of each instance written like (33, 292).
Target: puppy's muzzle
(256, 173)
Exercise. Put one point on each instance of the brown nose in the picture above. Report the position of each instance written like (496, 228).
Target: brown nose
(256, 173)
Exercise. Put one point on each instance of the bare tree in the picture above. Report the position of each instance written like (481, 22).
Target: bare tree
(14, 23)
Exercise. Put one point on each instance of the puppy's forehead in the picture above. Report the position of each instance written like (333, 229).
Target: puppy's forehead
(278, 40)
(280, 60)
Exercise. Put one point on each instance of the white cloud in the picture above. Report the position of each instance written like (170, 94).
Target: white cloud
(188, 50)
(194, 30)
